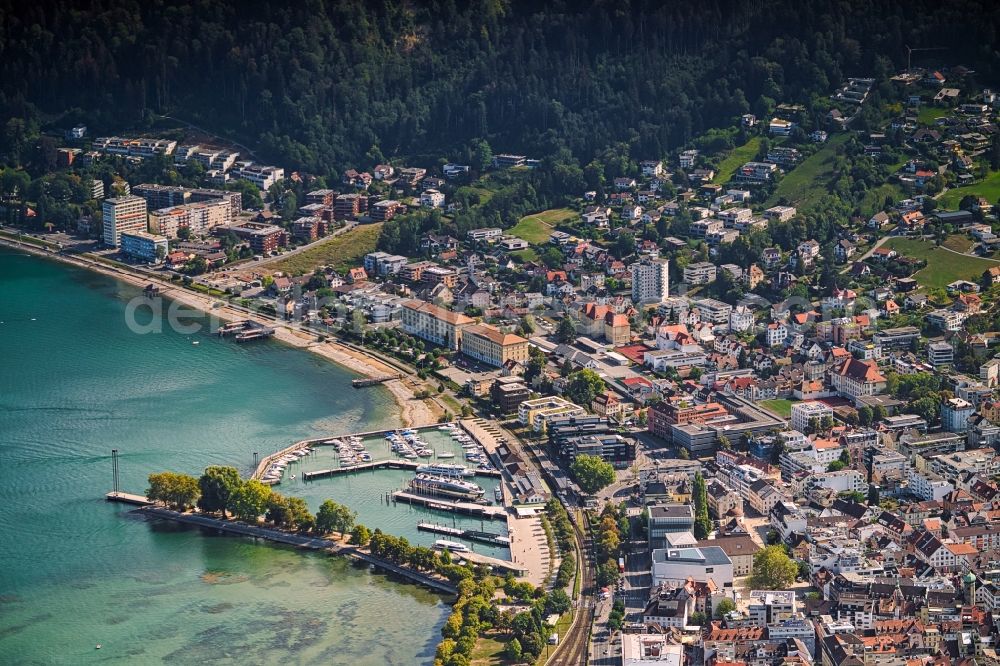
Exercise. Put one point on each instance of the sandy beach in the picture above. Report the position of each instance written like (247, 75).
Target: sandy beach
(413, 411)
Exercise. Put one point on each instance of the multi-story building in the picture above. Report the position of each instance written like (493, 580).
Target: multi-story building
(263, 238)
(435, 324)
(492, 346)
(701, 272)
(896, 338)
(855, 379)
(955, 414)
(650, 280)
(165, 196)
(676, 566)
(349, 206)
(143, 246)
(508, 393)
(713, 311)
(383, 263)
(537, 413)
(486, 234)
(261, 175)
(780, 213)
(198, 218)
(123, 215)
(385, 210)
(940, 353)
(741, 319)
(671, 518)
(432, 198)
(142, 147)
(946, 320)
(804, 412)
(755, 173)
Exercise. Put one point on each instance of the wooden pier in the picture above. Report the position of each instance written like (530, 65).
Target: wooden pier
(471, 535)
(128, 498)
(245, 330)
(468, 508)
(372, 381)
(361, 467)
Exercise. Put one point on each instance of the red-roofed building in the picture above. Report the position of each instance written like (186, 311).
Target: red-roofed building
(854, 379)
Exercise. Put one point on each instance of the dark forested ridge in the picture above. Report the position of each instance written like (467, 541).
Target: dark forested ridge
(326, 85)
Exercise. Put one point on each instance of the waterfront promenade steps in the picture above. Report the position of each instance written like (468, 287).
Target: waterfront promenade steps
(372, 381)
(469, 508)
(128, 498)
(299, 541)
(471, 535)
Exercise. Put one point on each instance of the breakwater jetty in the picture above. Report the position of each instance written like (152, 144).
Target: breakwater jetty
(372, 381)
(280, 536)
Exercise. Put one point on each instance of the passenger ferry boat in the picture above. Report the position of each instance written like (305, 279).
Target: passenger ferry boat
(453, 546)
(444, 469)
(445, 487)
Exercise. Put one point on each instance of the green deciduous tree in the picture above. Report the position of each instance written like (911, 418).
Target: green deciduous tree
(250, 500)
(592, 473)
(724, 607)
(334, 517)
(180, 491)
(772, 569)
(217, 487)
(583, 386)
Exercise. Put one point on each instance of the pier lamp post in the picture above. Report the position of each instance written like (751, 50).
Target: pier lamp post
(255, 460)
(114, 470)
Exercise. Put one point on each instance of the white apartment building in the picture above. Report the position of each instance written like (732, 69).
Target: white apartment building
(650, 281)
(741, 319)
(805, 411)
(261, 175)
(776, 334)
(123, 214)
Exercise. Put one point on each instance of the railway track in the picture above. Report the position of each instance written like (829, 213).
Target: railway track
(573, 649)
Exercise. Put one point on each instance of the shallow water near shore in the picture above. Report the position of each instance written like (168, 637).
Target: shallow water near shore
(77, 571)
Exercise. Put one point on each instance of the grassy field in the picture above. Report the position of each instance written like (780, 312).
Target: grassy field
(341, 252)
(488, 650)
(943, 267)
(734, 160)
(525, 255)
(989, 187)
(874, 200)
(958, 243)
(807, 181)
(928, 114)
(536, 228)
(782, 408)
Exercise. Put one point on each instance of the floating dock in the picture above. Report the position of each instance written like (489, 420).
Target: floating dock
(471, 535)
(245, 331)
(468, 508)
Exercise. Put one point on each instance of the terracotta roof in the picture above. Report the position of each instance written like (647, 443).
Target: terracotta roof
(454, 318)
(493, 334)
(866, 371)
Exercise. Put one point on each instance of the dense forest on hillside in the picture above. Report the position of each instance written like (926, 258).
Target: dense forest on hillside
(327, 85)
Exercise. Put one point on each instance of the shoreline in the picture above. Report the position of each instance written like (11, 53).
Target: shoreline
(412, 410)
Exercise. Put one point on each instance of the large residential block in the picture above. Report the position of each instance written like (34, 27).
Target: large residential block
(435, 324)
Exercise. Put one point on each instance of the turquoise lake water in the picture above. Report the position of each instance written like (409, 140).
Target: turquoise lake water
(76, 571)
